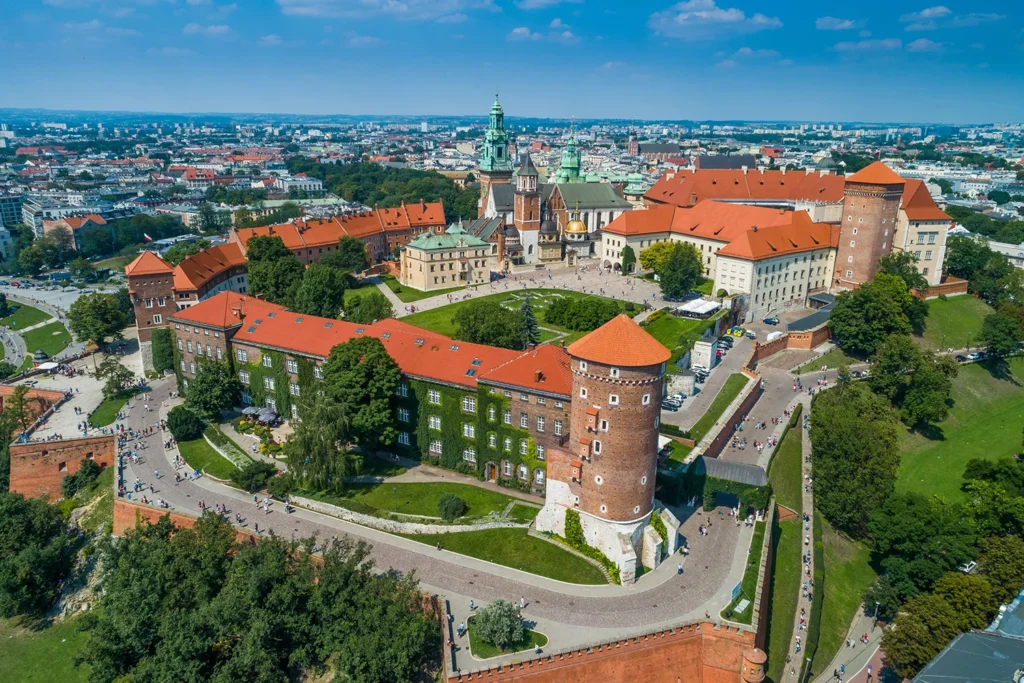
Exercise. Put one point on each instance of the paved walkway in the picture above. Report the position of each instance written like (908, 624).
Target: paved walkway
(803, 607)
(858, 658)
(572, 614)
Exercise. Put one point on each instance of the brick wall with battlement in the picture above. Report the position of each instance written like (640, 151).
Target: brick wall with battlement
(38, 468)
(127, 514)
(38, 400)
(695, 653)
(715, 447)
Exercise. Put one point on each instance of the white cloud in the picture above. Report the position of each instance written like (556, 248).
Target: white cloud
(836, 24)
(270, 40)
(541, 4)
(975, 19)
(558, 23)
(926, 14)
(745, 52)
(704, 20)
(864, 34)
(942, 17)
(567, 37)
(411, 10)
(523, 33)
(211, 31)
(365, 41)
(924, 45)
(169, 52)
(883, 44)
(82, 26)
(456, 18)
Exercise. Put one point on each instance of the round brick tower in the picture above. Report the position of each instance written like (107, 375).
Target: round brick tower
(617, 374)
(753, 665)
(871, 206)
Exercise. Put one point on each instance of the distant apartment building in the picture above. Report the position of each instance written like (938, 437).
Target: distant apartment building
(299, 183)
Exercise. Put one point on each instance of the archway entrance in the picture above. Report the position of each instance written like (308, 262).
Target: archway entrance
(491, 472)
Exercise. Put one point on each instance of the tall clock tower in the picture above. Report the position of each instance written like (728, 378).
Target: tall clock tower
(495, 159)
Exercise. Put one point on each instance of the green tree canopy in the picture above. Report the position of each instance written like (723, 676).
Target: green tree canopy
(499, 624)
(265, 248)
(999, 196)
(488, 322)
(923, 628)
(318, 449)
(531, 332)
(368, 308)
(971, 595)
(682, 270)
(96, 316)
(862, 318)
(215, 388)
(965, 256)
(917, 383)
(999, 334)
(114, 375)
(904, 264)
(362, 377)
(181, 251)
(321, 292)
(36, 553)
(350, 256)
(275, 273)
(1000, 562)
(653, 258)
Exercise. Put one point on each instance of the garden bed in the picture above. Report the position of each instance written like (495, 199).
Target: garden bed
(748, 587)
(482, 650)
(106, 412)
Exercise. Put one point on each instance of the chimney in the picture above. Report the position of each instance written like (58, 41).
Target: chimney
(753, 228)
(670, 175)
(783, 170)
(744, 169)
(538, 376)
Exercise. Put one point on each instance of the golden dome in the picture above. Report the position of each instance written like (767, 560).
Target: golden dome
(576, 227)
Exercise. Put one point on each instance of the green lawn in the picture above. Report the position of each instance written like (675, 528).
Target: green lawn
(749, 583)
(41, 656)
(514, 548)
(199, 454)
(484, 650)
(706, 286)
(786, 470)
(848, 575)
(785, 596)
(954, 322)
(409, 295)
(417, 498)
(985, 422)
(107, 411)
(51, 339)
(730, 390)
(679, 334)
(679, 452)
(832, 359)
(378, 467)
(440, 319)
(523, 513)
(24, 317)
(117, 263)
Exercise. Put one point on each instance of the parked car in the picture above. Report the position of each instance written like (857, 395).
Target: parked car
(974, 355)
(960, 358)
(665, 405)
(751, 334)
(735, 331)
(772, 320)
(725, 341)
(15, 284)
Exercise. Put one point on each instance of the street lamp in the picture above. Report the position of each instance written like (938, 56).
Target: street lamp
(875, 624)
(395, 489)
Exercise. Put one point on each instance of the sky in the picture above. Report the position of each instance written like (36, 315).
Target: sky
(873, 60)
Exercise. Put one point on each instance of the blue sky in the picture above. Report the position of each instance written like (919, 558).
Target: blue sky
(875, 60)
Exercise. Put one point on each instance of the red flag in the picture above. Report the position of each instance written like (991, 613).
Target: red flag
(146, 238)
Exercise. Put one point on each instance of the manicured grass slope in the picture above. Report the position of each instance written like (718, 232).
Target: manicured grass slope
(832, 359)
(785, 472)
(409, 295)
(421, 499)
(51, 339)
(199, 454)
(730, 390)
(749, 583)
(24, 317)
(985, 422)
(41, 656)
(954, 322)
(514, 548)
(785, 587)
(107, 411)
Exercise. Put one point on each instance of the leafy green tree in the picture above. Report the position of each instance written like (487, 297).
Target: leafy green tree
(210, 220)
(965, 256)
(1006, 472)
(999, 196)
(904, 264)
(917, 383)
(350, 256)
(114, 375)
(6, 370)
(945, 186)
(276, 280)
(990, 282)
(499, 624)
(999, 562)
(36, 553)
(368, 308)
(862, 318)
(253, 476)
(628, 259)
(32, 261)
(181, 251)
(184, 424)
(581, 315)
(855, 455)
(362, 377)
(163, 350)
(970, 595)
(266, 248)
(923, 628)
(321, 292)
(97, 316)
(80, 480)
(883, 597)
(81, 269)
(999, 334)
(488, 322)
(531, 332)
(5, 308)
(654, 257)
(124, 303)
(215, 388)
(318, 449)
(918, 539)
(450, 507)
(682, 270)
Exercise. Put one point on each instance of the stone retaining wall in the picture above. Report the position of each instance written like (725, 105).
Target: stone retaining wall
(393, 527)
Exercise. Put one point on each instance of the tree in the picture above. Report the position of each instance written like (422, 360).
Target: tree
(945, 186)
(5, 308)
(917, 383)
(925, 626)
(855, 455)
(265, 248)
(904, 265)
(581, 315)
(124, 303)
(362, 377)
(181, 251)
(970, 595)
(163, 350)
(499, 624)
(628, 259)
(317, 449)
(254, 475)
(81, 269)
(531, 332)
(275, 279)
(999, 196)
(209, 219)
(450, 507)
(965, 256)
(96, 316)
(6, 370)
(862, 318)
(999, 334)
(184, 424)
(682, 271)
(488, 322)
(32, 261)
(215, 388)
(321, 292)
(368, 308)
(882, 600)
(654, 257)
(36, 553)
(115, 376)
(350, 256)
(999, 562)
(73, 483)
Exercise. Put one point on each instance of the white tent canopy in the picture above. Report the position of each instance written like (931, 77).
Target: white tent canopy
(49, 366)
(698, 308)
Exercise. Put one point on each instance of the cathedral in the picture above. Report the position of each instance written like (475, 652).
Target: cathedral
(533, 220)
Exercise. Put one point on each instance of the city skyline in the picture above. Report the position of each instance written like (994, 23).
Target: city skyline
(694, 60)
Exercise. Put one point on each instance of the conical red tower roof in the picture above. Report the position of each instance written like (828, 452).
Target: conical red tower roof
(620, 341)
(148, 263)
(876, 173)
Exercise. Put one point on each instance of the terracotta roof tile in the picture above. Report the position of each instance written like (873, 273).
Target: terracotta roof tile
(918, 203)
(545, 368)
(687, 188)
(876, 173)
(147, 263)
(709, 220)
(620, 342)
(798, 235)
(196, 270)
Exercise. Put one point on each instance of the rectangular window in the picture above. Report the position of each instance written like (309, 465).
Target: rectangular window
(491, 413)
(293, 389)
(183, 365)
(583, 392)
(295, 416)
(192, 368)
(149, 303)
(558, 427)
(492, 440)
(469, 404)
(247, 398)
(506, 468)
(507, 417)
(469, 455)
(524, 397)
(403, 390)
(242, 355)
(931, 237)
(435, 446)
(403, 438)
(928, 255)
(268, 383)
(558, 404)
(318, 372)
(468, 430)
(209, 351)
(613, 399)
(540, 423)
(541, 401)
(541, 452)
(158, 319)
(434, 396)
(293, 366)
(524, 420)
(434, 422)
(403, 414)
(507, 444)
(162, 302)
(523, 446)
(220, 353)
(180, 345)
(267, 361)
(538, 477)
(190, 346)
(243, 377)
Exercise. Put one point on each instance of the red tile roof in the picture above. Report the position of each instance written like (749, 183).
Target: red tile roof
(226, 310)
(708, 220)
(620, 342)
(147, 263)
(687, 188)
(77, 222)
(800, 234)
(195, 271)
(545, 368)
(876, 173)
(918, 203)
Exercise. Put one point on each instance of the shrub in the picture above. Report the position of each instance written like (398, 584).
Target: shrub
(499, 624)
(254, 475)
(80, 480)
(397, 289)
(574, 529)
(450, 507)
(281, 485)
(163, 352)
(184, 424)
(942, 297)
(722, 293)
(629, 307)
